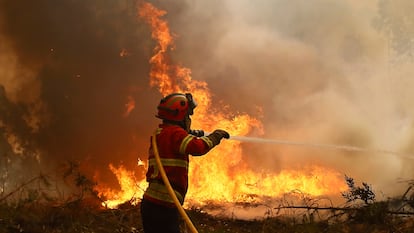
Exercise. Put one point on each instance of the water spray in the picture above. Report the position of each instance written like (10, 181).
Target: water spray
(317, 145)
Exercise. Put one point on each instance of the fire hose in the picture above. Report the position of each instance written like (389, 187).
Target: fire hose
(169, 188)
(248, 139)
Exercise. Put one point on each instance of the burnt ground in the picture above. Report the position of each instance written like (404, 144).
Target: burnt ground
(88, 216)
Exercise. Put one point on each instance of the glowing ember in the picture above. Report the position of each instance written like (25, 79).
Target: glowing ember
(221, 175)
(123, 53)
(129, 106)
(140, 162)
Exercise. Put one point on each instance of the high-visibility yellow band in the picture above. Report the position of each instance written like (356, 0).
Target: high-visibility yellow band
(184, 143)
(160, 192)
(210, 144)
(174, 98)
(170, 162)
(158, 130)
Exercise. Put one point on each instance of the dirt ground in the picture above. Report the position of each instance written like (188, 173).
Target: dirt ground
(81, 216)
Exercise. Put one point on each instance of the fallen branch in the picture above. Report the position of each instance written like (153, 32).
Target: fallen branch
(20, 187)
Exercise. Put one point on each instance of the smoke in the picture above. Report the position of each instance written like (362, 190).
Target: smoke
(317, 71)
(68, 71)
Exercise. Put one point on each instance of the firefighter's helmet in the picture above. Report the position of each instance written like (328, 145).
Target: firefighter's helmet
(176, 106)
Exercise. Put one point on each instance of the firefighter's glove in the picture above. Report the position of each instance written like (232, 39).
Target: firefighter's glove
(196, 132)
(217, 135)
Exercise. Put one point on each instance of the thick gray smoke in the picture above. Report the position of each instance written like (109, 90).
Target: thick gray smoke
(319, 71)
(312, 71)
(68, 69)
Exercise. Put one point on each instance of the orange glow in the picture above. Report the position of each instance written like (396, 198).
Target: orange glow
(131, 189)
(129, 106)
(123, 53)
(222, 174)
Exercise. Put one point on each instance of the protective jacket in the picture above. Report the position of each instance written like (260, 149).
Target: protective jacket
(174, 147)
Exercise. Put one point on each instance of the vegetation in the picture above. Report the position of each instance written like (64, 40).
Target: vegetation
(29, 209)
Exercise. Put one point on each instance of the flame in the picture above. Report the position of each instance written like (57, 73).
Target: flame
(222, 174)
(140, 162)
(131, 189)
(129, 106)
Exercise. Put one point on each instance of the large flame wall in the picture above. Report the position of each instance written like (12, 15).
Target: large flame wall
(77, 83)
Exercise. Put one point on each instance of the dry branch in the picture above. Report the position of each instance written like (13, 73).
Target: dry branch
(339, 209)
(20, 187)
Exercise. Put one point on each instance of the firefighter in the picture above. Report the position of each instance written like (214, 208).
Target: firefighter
(175, 142)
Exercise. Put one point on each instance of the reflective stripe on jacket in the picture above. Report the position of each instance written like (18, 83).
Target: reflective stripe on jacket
(174, 147)
(159, 192)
